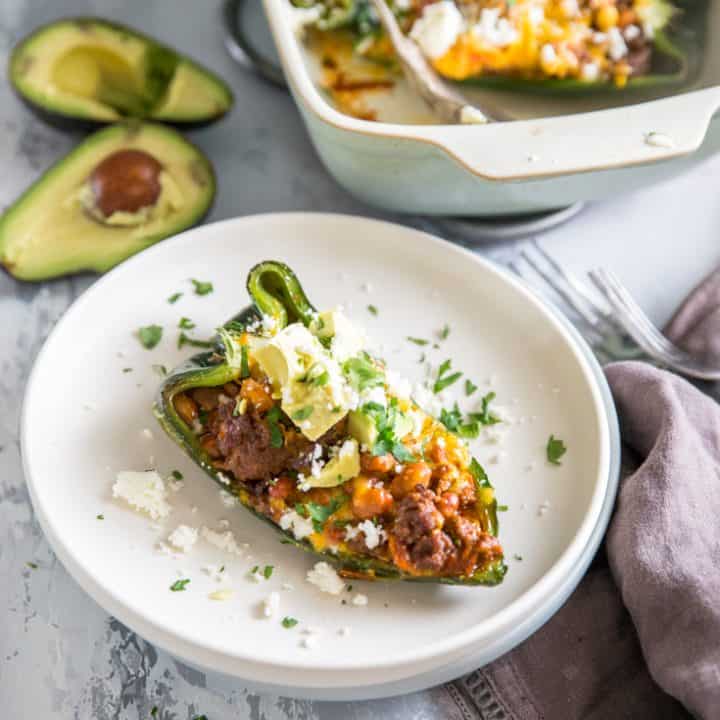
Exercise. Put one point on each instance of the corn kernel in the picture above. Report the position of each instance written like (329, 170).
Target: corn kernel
(607, 17)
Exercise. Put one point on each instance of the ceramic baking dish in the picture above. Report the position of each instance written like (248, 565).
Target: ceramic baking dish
(559, 152)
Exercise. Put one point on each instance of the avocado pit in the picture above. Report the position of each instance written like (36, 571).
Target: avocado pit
(126, 181)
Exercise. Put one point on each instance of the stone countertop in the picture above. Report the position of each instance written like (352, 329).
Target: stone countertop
(60, 654)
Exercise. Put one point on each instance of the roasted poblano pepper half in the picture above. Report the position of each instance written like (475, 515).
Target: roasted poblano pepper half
(279, 302)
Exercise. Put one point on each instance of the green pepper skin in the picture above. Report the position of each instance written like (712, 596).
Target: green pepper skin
(277, 293)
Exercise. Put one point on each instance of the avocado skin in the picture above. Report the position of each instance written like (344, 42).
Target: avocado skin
(69, 122)
(107, 260)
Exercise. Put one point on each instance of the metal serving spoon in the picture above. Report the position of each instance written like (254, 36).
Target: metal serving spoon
(443, 100)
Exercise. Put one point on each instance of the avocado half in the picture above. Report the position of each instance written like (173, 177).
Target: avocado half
(97, 71)
(124, 188)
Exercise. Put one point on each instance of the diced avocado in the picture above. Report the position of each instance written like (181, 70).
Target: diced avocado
(344, 466)
(347, 340)
(122, 189)
(312, 390)
(362, 427)
(95, 70)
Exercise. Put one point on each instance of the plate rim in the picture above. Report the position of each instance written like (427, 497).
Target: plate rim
(219, 659)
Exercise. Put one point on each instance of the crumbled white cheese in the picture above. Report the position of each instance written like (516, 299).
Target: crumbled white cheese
(374, 534)
(183, 537)
(543, 508)
(548, 54)
(617, 49)
(656, 139)
(308, 641)
(598, 38)
(438, 28)
(398, 385)
(360, 600)
(221, 595)
(144, 491)
(175, 485)
(536, 14)
(222, 540)
(288, 586)
(470, 115)
(217, 573)
(324, 577)
(427, 399)
(570, 8)
(494, 30)
(590, 71)
(302, 18)
(147, 433)
(271, 604)
(344, 631)
(631, 32)
(301, 527)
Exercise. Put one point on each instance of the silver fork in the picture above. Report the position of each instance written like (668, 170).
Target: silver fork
(614, 324)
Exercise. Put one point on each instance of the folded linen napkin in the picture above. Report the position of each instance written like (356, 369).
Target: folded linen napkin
(640, 636)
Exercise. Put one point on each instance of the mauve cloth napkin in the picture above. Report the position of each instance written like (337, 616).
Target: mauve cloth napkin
(640, 637)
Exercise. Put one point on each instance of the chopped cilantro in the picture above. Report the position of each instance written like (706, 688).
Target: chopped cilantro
(464, 427)
(154, 711)
(485, 417)
(179, 585)
(503, 508)
(127, 370)
(202, 288)
(160, 370)
(319, 513)
(479, 475)
(244, 365)
(255, 569)
(445, 332)
(277, 439)
(200, 717)
(286, 541)
(470, 387)
(418, 341)
(303, 413)
(443, 379)
(362, 373)
(150, 336)
(177, 474)
(183, 340)
(174, 298)
(32, 565)
(100, 517)
(517, 557)
(289, 622)
(186, 324)
(268, 571)
(386, 421)
(555, 450)
(372, 310)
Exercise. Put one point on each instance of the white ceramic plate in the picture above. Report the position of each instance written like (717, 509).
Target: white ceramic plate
(85, 419)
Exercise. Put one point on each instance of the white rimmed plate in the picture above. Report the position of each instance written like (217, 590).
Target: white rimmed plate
(85, 418)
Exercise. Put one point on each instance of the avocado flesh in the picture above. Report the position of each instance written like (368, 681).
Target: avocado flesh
(94, 70)
(47, 232)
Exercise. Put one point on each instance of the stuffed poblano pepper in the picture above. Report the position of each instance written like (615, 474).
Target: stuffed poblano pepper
(292, 415)
(551, 45)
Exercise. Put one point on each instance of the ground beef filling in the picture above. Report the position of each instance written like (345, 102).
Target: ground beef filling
(426, 509)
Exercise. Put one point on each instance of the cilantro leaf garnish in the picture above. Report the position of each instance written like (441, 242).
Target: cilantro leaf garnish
(418, 341)
(184, 339)
(485, 417)
(177, 475)
(443, 379)
(100, 517)
(150, 336)
(186, 324)
(174, 298)
(555, 450)
(289, 622)
(268, 571)
(464, 427)
(179, 585)
(470, 387)
(202, 288)
(445, 332)
(277, 439)
(372, 310)
(303, 413)
(319, 513)
(362, 373)
(387, 422)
